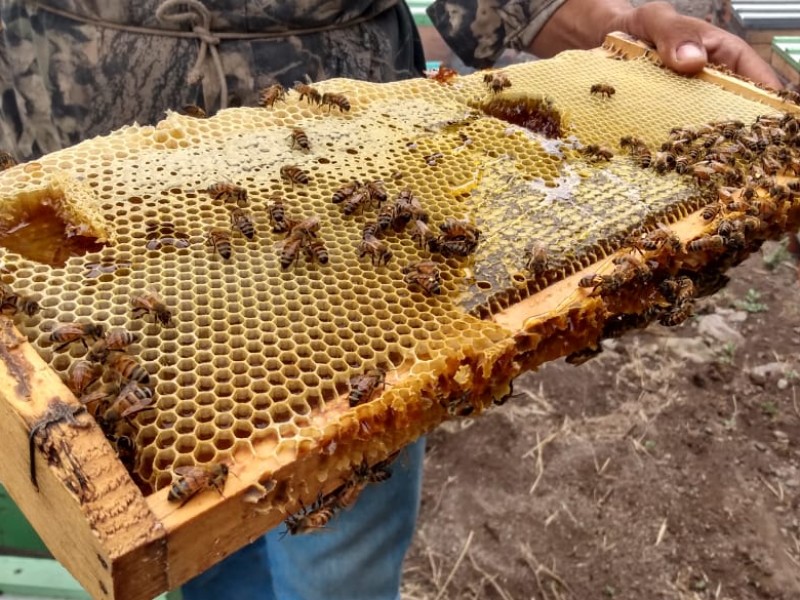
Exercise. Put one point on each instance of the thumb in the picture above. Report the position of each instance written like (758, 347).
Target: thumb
(677, 38)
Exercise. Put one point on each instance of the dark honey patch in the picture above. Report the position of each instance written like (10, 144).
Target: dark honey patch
(105, 267)
(165, 234)
(534, 113)
(39, 233)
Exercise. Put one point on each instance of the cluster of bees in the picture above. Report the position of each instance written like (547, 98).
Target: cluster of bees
(128, 387)
(735, 167)
(277, 93)
(317, 516)
(13, 302)
(458, 239)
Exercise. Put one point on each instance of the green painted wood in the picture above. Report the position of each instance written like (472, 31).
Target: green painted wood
(38, 578)
(418, 10)
(26, 577)
(16, 534)
(789, 48)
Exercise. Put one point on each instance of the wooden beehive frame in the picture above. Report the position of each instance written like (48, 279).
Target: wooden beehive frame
(121, 544)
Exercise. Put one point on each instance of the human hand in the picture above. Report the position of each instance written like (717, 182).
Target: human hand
(686, 44)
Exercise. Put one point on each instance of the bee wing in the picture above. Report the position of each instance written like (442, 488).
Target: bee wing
(186, 470)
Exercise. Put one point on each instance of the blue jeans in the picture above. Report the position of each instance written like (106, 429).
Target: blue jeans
(359, 556)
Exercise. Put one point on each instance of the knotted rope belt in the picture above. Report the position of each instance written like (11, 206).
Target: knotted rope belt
(197, 16)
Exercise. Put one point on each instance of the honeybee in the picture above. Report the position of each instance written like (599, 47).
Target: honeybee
(101, 394)
(460, 247)
(306, 91)
(15, 302)
(149, 301)
(592, 280)
(432, 159)
(371, 228)
(423, 236)
(307, 228)
(355, 201)
(459, 405)
(272, 94)
(243, 222)
(364, 386)
(116, 340)
(424, 275)
(227, 192)
(344, 192)
(277, 216)
(729, 129)
(290, 249)
(337, 100)
(682, 164)
(496, 81)
(346, 496)
(299, 138)
(195, 479)
(376, 191)
(386, 217)
(127, 368)
(752, 223)
(675, 146)
(706, 243)
(597, 152)
(765, 207)
(789, 95)
(312, 519)
(408, 207)
(669, 288)
(65, 334)
(660, 237)
(631, 142)
(537, 258)
(603, 90)
(192, 110)
(378, 252)
(702, 173)
(294, 175)
(455, 229)
(119, 338)
(82, 374)
(220, 240)
(726, 227)
(677, 315)
(132, 398)
(686, 290)
(316, 250)
(642, 156)
(7, 160)
(664, 161)
(780, 192)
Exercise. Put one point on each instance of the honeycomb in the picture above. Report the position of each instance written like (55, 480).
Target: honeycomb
(259, 358)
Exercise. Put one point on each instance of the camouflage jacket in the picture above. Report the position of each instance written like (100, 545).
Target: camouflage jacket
(479, 30)
(65, 77)
(75, 72)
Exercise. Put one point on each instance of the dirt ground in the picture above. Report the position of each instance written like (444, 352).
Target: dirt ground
(668, 467)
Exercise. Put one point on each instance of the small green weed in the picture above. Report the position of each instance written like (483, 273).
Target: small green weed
(752, 302)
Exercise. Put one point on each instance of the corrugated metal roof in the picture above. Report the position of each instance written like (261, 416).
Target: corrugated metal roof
(772, 14)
